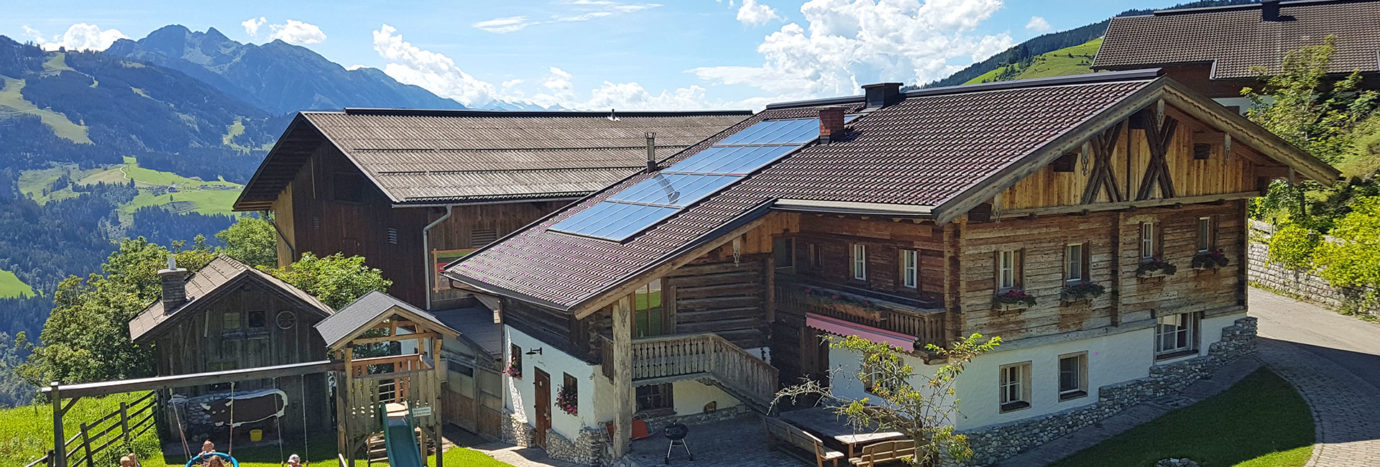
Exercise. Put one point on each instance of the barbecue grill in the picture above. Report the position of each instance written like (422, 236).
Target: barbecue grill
(676, 432)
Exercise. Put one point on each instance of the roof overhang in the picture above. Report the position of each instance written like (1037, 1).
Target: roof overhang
(230, 286)
(388, 313)
(849, 207)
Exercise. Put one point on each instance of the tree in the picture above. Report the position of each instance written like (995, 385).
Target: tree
(923, 412)
(1352, 257)
(250, 240)
(336, 279)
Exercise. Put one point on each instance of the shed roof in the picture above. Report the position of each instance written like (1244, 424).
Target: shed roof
(368, 310)
(937, 153)
(1235, 38)
(478, 326)
(218, 277)
(443, 157)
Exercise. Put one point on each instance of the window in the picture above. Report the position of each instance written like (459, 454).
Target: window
(1205, 234)
(783, 252)
(1015, 386)
(1202, 151)
(1066, 162)
(860, 261)
(1075, 264)
(910, 268)
(1176, 334)
(1008, 273)
(654, 397)
(1073, 376)
(874, 376)
(649, 316)
(569, 391)
(1147, 240)
(257, 319)
(231, 321)
(349, 187)
(514, 361)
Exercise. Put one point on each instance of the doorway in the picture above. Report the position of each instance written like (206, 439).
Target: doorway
(541, 384)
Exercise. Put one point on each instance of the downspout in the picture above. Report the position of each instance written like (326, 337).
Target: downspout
(426, 253)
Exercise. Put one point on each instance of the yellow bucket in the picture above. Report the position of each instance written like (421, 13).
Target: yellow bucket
(256, 435)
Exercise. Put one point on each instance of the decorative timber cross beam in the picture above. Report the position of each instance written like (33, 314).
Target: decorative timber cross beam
(1159, 133)
(1102, 178)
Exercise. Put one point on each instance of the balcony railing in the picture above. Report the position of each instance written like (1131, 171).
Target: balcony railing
(687, 356)
(915, 318)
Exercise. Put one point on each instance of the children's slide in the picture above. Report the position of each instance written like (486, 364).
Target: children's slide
(401, 442)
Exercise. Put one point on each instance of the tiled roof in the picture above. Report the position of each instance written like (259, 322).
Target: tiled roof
(923, 151)
(455, 156)
(365, 310)
(1234, 39)
(206, 285)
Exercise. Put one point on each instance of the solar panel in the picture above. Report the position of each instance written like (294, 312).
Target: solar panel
(694, 178)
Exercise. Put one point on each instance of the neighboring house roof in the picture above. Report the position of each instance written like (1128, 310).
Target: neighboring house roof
(443, 157)
(223, 275)
(1235, 38)
(938, 153)
(477, 325)
(365, 311)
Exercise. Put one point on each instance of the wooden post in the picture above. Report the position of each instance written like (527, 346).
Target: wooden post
(770, 287)
(438, 369)
(124, 421)
(59, 449)
(622, 377)
(346, 436)
(86, 443)
(1115, 311)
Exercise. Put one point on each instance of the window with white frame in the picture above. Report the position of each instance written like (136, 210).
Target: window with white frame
(1147, 240)
(1204, 233)
(910, 268)
(1176, 334)
(860, 261)
(1015, 386)
(1006, 270)
(1073, 376)
(1075, 271)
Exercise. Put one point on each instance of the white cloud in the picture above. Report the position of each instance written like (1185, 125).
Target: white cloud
(582, 10)
(1038, 24)
(756, 14)
(502, 25)
(410, 64)
(251, 25)
(80, 36)
(296, 32)
(846, 43)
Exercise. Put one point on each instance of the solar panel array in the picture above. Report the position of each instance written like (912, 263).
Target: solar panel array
(655, 199)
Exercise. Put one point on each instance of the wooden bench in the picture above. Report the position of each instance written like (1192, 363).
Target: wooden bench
(885, 451)
(794, 437)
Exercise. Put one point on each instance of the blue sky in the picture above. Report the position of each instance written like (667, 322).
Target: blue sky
(594, 54)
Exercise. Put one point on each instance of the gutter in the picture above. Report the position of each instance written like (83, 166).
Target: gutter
(850, 207)
(426, 252)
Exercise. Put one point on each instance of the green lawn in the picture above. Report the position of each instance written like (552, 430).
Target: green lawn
(1259, 422)
(1066, 61)
(11, 286)
(12, 103)
(26, 433)
(194, 194)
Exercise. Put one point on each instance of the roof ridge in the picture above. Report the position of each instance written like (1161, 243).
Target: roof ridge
(1084, 78)
(403, 112)
(1243, 6)
(583, 148)
(538, 169)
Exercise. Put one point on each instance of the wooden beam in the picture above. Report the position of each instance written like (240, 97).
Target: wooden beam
(400, 337)
(1148, 203)
(195, 379)
(623, 393)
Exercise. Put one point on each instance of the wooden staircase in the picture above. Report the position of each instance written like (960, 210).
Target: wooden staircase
(707, 357)
(375, 450)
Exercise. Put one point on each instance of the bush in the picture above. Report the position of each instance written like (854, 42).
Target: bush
(1292, 246)
(1352, 258)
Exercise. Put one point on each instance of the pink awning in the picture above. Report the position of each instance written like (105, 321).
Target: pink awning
(846, 328)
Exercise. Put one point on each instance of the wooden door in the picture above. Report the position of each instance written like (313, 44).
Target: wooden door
(541, 383)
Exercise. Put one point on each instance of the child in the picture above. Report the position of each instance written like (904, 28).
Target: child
(207, 447)
(294, 461)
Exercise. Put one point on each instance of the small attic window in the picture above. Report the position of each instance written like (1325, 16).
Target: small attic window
(1066, 162)
(1202, 151)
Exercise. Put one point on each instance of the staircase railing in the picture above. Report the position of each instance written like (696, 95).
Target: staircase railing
(667, 357)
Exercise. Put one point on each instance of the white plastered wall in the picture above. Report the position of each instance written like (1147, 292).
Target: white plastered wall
(520, 395)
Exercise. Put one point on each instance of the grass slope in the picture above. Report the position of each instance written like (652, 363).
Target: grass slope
(26, 433)
(1261, 421)
(11, 286)
(1066, 61)
(12, 103)
(156, 188)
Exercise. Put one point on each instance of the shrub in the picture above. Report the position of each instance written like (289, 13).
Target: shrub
(1352, 257)
(1292, 246)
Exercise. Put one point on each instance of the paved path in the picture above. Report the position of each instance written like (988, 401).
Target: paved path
(1334, 361)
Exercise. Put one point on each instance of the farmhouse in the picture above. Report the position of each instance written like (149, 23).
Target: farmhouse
(411, 189)
(1213, 50)
(1094, 222)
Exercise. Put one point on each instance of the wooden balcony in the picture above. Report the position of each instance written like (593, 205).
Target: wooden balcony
(665, 359)
(917, 318)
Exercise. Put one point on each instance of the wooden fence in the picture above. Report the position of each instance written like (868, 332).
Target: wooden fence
(114, 430)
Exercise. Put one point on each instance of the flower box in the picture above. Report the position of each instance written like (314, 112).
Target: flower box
(514, 368)
(1012, 300)
(1211, 259)
(1155, 267)
(567, 400)
(1084, 291)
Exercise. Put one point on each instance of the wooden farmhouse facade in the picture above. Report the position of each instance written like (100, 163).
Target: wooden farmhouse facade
(1216, 50)
(1050, 212)
(411, 189)
(229, 316)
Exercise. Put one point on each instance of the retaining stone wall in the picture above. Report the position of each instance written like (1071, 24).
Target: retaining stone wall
(992, 444)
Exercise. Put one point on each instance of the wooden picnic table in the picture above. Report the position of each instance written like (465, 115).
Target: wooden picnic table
(824, 422)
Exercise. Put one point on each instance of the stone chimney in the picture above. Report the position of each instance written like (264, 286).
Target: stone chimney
(651, 151)
(174, 281)
(882, 94)
(1269, 10)
(830, 124)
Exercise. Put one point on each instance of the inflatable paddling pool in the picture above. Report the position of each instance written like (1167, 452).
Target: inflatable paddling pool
(202, 457)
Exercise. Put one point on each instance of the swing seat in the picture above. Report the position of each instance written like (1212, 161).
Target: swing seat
(202, 457)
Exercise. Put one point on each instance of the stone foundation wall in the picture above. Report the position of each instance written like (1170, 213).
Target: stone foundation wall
(1301, 285)
(992, 444)
(514, 431)
(656, 424)
(586, 449)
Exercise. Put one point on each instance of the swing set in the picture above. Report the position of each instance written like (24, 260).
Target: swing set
(72, 393)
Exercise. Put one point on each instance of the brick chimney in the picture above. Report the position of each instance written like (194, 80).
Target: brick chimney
(882, 94)
(830, 124)
(174, 281)
(651, 151)
(1269, 10)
